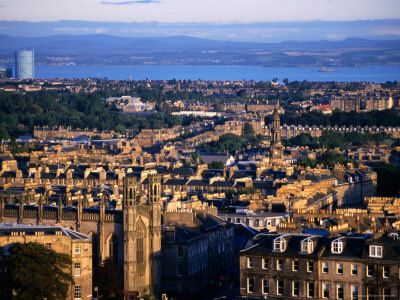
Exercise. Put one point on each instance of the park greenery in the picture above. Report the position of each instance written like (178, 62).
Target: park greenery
(33, 272)
(21, 112)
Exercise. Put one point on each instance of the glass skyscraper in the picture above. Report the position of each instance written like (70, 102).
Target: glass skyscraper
(24, 64)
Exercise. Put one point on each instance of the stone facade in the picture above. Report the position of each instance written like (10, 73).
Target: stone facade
(78, 246)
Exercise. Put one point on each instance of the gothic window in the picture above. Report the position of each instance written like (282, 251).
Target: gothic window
(140, 242)
(139, 252)
(113, 247)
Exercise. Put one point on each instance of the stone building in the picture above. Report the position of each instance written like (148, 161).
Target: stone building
(207, 250)
(132, 235)
(304, 266)
(77, 245)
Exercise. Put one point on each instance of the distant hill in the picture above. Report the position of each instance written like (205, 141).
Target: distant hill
(107, 49)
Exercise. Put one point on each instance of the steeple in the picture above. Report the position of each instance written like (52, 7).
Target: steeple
(276, 149)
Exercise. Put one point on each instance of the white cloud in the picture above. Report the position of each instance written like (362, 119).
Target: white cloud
(197, 10)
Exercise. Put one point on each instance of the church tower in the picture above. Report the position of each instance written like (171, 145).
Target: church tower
(129, 222)
(142, 238)
(155, 231)
(276, 149)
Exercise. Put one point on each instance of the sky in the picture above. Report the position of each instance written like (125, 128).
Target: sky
(219, 11)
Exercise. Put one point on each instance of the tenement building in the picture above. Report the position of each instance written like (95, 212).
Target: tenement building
(302, 266)
(62, 240)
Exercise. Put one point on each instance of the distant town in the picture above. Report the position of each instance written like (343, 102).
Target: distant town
(206, 189)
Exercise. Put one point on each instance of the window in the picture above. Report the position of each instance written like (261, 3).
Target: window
(295, 288)
(139, 251)
(339, 292)
(77, 249)
(370, 293)
(180, 252)
(325, 267)
(47, 245)
(77, 269)
(354, 292)
(310, 266)
(77, 292)
(310, 289)
(325, 290)
(337, 246)
(295, 265)
(279, 287)
(307, 246)
(279, 264)
(250, 262)
(179, 270)
(265, 286)
(250, 285)
(339, 268)
(386, 294)
(265, 263)
(354, 269)
(370, 271)
(386, 272)
(375, 251)
(280, 244)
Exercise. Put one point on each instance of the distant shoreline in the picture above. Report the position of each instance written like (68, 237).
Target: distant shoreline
(375, 73)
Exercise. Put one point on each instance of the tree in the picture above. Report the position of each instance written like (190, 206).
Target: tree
(388, 180)
(216, 165)
(34, 272)
(248, 129)
(108, 279)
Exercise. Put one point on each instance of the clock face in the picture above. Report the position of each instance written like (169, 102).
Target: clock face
(275, 152)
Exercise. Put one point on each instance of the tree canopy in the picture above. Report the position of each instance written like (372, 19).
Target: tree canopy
(34, 273)
(108, 279)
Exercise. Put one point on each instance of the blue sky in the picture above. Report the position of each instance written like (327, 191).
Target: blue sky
(220, 11)
(236, 20)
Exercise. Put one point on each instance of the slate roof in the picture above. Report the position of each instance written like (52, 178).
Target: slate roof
(265, 245)
(6, 229)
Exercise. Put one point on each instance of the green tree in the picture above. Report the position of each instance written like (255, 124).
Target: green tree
(216, 165)
(34, 272)
(108, 279)
(307, 162)
(248, 130)
(330, 158)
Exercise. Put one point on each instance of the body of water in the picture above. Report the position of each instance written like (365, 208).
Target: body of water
(220, 72)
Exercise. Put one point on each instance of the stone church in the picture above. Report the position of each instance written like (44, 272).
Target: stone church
(132, 236)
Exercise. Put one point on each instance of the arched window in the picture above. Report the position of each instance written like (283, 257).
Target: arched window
(113, 247)
(140, 243)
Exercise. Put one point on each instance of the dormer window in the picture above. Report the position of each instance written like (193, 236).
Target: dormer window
(307, 246)
(337, 246)
(280, 244)
(375, 251)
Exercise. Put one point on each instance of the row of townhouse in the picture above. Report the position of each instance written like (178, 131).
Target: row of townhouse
(301, 266)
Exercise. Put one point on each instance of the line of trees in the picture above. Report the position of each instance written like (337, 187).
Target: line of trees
(389, 117)
(331, 139)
